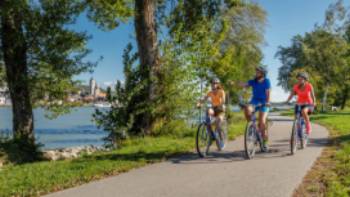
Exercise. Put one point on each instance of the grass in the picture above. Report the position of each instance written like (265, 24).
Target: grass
(330, 175)
(35, 179)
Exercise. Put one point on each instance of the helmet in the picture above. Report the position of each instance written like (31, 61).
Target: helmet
(303, 75)
(215, 80)
(262, 69)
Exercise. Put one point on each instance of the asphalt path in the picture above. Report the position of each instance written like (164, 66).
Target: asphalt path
(222, 174)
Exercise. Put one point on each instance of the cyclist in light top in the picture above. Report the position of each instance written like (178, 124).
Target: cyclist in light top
(305, 97)
(217, 99)
(261, 87)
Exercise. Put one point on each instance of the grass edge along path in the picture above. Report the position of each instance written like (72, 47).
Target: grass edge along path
(330, 174)
(35, 179)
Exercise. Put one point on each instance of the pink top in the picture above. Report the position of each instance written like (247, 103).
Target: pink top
(304, 94)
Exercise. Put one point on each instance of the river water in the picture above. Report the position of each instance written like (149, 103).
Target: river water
(69, 130)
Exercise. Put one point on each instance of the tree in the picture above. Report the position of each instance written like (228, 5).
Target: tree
(147, 42)
(324, 53)
(124, 116)
(220, 38)
(41, 54)
(144, 12)
(162, 88)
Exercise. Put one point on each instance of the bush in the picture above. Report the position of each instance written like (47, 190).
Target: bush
(20, 151)
(177, 128)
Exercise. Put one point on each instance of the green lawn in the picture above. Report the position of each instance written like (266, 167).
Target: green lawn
(338, 180)
(43, 177)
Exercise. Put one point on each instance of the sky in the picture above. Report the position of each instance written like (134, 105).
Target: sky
(285, 19)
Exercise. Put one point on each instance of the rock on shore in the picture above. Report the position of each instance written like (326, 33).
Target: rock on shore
(70, 153)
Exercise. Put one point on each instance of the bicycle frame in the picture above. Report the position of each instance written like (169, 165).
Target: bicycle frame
(300, 120)
(253, 117)
(208, 121)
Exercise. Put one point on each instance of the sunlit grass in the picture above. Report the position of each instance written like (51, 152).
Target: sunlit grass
(339, 125)
(331, 173)
(39, 178)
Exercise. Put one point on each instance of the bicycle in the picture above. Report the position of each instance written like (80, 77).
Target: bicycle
(298, 131)
(252, 136)
(206, 135)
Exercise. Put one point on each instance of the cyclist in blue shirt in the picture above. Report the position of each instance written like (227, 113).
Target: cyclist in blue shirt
(261, 88)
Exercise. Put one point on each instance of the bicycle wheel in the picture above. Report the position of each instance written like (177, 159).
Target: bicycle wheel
(303, 140)
(250, 140)
(203, 140)
(294, 138)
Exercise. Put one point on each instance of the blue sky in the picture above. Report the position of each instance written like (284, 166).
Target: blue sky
(285, 19)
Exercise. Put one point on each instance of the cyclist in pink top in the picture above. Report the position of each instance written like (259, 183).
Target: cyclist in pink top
(305, 97)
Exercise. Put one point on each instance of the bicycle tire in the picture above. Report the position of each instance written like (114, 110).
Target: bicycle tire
(250, 141)
(294, 138)
(302, 139)
(203, 140)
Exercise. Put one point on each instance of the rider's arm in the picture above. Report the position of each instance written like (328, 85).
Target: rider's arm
(292, 93)
(268, 93)
(243, 84)
(203, 99)
(239, 84)
(223, 99)
(200, 102)
(313, 95)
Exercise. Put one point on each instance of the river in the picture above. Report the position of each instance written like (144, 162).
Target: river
(69, 130)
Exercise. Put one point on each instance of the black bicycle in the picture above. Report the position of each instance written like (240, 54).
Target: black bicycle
(298, 131)
(207, 133)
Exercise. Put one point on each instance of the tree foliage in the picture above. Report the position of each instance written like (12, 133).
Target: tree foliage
(201, 39)
(40, 55)
(219, 38)
(324, 53)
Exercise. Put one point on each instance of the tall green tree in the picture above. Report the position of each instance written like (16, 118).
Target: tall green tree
(123, 117)
(324, 53)
(40, 54)
(164, 86)
(144, 16)
(221, 38)
(147, 42)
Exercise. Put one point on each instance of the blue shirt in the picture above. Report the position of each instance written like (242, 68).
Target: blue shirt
(259, 90)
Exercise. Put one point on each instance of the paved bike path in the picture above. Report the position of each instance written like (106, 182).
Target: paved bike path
(224, 174)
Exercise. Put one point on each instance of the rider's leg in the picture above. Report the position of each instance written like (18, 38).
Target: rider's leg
(262, 124)
(305, 113)
(210, 115)
(248, 112)
(219, 120)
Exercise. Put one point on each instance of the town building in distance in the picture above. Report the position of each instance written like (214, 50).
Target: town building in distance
(84, 94)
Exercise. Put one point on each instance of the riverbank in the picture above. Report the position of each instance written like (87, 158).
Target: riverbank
(39, 178)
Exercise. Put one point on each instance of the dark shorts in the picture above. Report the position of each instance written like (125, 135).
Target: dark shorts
(218, 110)
(310, 108)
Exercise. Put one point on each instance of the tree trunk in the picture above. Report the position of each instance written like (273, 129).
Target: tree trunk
(324, 100)
(345, 97)
(146, 35)
(14, 53)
